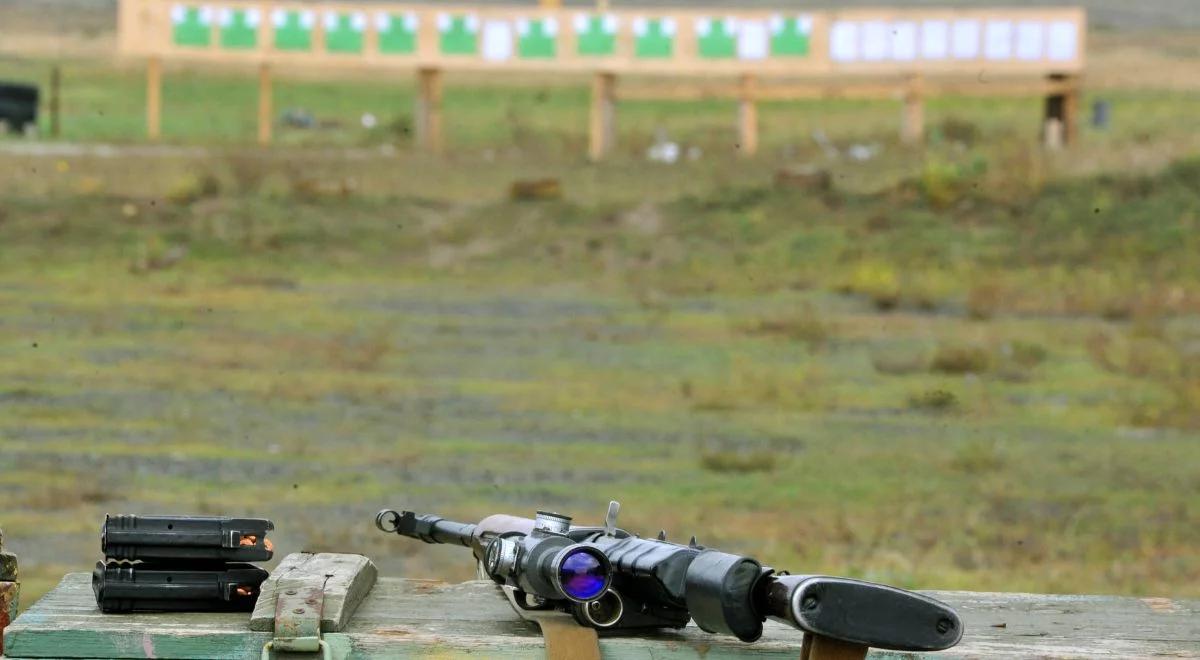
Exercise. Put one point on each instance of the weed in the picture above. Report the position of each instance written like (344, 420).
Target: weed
(960, 359)
(800, 324)
(935, 400)
(977, 457)
(192, 187)
(739, 462)
(897, 361)
(984, 300)
(879, 282)
(1024, 353)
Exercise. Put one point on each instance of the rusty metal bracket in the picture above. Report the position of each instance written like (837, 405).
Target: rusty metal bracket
(298, 608)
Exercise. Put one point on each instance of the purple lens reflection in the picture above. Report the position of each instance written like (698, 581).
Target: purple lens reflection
(582, 575)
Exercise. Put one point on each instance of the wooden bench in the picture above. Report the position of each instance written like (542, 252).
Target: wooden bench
(418, 618)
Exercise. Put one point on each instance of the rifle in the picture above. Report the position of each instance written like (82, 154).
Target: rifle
(659, 584)
(535, 557)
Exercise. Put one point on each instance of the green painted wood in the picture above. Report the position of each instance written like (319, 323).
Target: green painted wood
(415, 618)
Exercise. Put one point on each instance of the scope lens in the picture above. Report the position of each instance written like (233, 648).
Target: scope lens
(583, 575)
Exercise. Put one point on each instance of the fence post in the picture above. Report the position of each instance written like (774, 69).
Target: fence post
(154, 98)
(912, 127)
(55, 106)
(602, 125)
(10, 589)
(1060, 124)
(429, 110)
(748, 116)
(265, 100)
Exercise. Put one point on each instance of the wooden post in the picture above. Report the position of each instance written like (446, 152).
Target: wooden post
(264, 104)
(816, 647)
(602, 125)
(154, 98)
(10, 589)
(54, 106)
(747, 116)
(912, 126)
(429, 110)
(1062, 108)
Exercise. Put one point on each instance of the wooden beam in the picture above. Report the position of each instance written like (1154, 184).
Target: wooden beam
(10, 589)
(55, 104)
(747, 116)
(867, 89)
(154, 98)
(1060, 125)
(912, 126)
(429, 110)
(602, 124)
(824, 648)
(265, 99)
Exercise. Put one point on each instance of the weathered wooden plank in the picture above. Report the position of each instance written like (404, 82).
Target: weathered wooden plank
(414, 618)
(346, 580)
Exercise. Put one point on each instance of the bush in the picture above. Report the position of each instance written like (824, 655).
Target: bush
(193, 187)
(984, 301)
(1026, 354)
(960, 359)
(977, 458)
(935, 400)
(879, 282)
(898, 362)
(802, 324)
(739, 462)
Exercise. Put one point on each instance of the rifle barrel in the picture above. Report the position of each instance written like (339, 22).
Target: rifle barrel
(426, 527)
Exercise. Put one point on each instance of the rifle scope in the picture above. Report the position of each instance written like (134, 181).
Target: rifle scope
(535, 556)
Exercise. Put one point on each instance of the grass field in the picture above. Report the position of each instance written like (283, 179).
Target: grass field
(974, 365)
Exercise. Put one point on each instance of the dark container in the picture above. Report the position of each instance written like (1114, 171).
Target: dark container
(18, 105)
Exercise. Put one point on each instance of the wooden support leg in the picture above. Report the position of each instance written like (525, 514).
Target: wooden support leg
(10, 589)
(1061, 122)
(55, 106)
(824, 648)
(912, 127)
(747, 117)
(429, 110)
(154, 98)
(602, 128)
(265, 100)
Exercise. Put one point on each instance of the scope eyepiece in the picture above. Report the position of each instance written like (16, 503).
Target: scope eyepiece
(581, 573)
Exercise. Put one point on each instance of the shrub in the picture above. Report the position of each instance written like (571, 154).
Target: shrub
(935, 400)
(896, 361)
(960, 359)
(1026, 354)
(192, 187)
(739, 462)
(977, 458)
(984, 300)
(802, 324)
(941, 184)
(879, 282)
